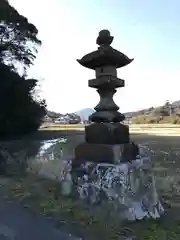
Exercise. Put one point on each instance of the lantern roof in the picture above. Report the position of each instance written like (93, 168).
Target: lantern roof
(105, 55)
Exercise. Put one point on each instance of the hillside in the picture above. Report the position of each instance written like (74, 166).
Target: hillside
(83, 114)
(168, 113)
(64, 118)
(174, 106)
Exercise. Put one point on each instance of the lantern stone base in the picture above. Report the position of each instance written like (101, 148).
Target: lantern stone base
(107, 133)
(129, 187)
(104, 153)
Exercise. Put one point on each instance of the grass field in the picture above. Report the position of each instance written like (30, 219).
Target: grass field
(153, 129)
(44, 195)
(80, 126)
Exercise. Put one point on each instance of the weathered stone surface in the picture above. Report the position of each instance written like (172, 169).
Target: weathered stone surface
(106, 102)
(105, 55)
(94, 153)
(105, 62)
(107, 133)
(105, 153)
(106, 70)
(107, 164)
(129, 186)
(107, 80)
(106, 117)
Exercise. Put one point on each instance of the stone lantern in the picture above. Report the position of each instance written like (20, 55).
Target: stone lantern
(106, 135)
(107, 165)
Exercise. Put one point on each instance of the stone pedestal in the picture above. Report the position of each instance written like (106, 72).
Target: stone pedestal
(107, 133)
(104, 153)
(130, 186)
(105, 142)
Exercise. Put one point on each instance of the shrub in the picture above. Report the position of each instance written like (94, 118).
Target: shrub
(142, 119)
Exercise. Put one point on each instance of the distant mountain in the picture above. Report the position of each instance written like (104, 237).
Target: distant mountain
(85, 113)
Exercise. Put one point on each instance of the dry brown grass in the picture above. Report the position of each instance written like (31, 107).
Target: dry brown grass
(44, 196)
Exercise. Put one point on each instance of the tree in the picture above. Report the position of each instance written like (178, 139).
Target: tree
(18, 38)
(149, 110)
(168, 107)
(20, 113)
(160, 112)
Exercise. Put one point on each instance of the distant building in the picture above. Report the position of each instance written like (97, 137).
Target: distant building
(60, 120)
(47, 119)
(68, 119)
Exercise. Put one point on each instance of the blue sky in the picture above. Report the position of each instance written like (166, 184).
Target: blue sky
(147, 31)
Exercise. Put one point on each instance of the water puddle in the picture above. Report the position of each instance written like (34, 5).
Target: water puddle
(48, 161)
(49, 143)
(53, 157)
(45, 157)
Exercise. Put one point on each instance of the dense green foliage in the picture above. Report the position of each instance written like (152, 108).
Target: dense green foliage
(53, 115)
(18, 38)
(20, 112)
